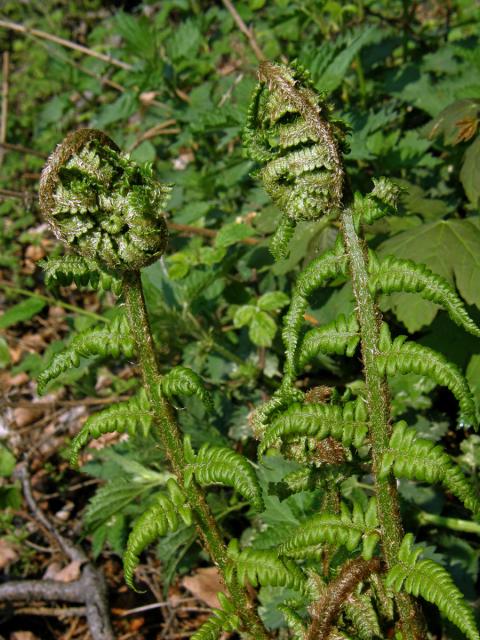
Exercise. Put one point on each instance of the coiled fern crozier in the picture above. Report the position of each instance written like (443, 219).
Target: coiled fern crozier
(349, 570)
(291, 134)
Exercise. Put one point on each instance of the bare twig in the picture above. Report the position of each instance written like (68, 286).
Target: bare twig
(245, 30)
(21, 149)
(4, 110)
(57, 612)
(20, 28)
(89, 589)
(163, 128)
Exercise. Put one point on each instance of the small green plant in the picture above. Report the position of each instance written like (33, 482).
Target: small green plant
(350, 569)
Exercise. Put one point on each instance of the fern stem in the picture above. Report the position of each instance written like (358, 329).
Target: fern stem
(170, 436)
(454, 524)
(369, 319)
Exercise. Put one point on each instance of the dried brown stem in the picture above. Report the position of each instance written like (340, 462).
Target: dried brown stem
(245, 30)
(43, 35)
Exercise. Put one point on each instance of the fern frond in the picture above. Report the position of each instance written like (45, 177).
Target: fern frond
(393, 275)
(283, 397)
(321, 270)
(182, 381)
(408, 357)
(419, 459)
(83, 272)
(221, 465)
(364, 618)
(160, 518)
(281, 238)
(216, 625)
(293, 620)
(347, 424)
(339, 337)
(111, 339)
(430, 580)
(132, 415)
(345, 529)
(383, 596)
(263, 567)
(381, 201)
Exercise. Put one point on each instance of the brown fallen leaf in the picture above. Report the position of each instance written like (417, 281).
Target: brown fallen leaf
(68, 574)
(24, 416)
(22, 635)
(8, 553)
(204, 585)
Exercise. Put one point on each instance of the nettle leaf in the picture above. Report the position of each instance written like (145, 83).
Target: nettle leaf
(451, 249)
(273, 300)
(470, 172)
(233, 233)
(244, 315)
(262, 329)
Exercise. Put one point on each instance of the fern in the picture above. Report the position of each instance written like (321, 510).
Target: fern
(264, 567)
(324, 268)
(220, 465)
(181, 381)
(409, 357)
(224, 619)
(293, 620)
(381, 201)
(345, 529)
(418, 459)
(158, 520)
(431, 581)
(393, 275)
(82, 271)
(112, 339)
(346, 424)
(133, 415)
(281, 238)
(361, 611)
(340, 337)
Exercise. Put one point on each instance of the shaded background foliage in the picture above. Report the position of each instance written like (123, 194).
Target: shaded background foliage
(404, 75)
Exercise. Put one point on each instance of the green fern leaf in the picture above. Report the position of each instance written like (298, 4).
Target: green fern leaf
(264, 567)
(430, 580)
(181, 381)
(111, 339)
(321, 270)
(158, 520)
(407, 357)
(293, 620)
(281, 238)
(224, 619)
(345, 529)
(419, 459)
(221, 465)
(281, 399)
(132, 415)
(394, 275)
(361, 612)
(382, 201)
(339, 337)
(346, 424)
(83, 272)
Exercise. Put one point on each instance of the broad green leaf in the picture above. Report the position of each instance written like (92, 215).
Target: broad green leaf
(185, 41)
(262, 329)
(450, 248)
(21, 312)
(449, 122)
(244, 315)
(233, 233)
(4, 353)
(273, 300)
(470, 172)
(7, 461)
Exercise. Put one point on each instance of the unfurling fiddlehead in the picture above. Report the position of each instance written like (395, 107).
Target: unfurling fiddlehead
(292, 135)
(101, 204)
(289, 131)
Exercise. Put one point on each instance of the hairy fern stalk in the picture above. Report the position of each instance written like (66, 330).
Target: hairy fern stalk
(291, 134)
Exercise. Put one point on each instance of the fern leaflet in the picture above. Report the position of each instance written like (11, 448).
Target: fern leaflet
(347, 424)
(220, 465)
(431, 581)
(345, 529)
(159, 519)
(339, 337)
(264, 567)
(419, 459)
(82, 271)
(112, 339)
(132, 415)
(361, 612)
(409, 357)
(394, 275)
(182, 381)
(381, 201)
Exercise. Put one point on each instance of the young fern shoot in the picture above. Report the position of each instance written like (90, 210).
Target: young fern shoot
(108, 211)
(291, 134)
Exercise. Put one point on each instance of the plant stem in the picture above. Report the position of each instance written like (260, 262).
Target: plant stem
(171, 438)
(378, 402)
(455, 524)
